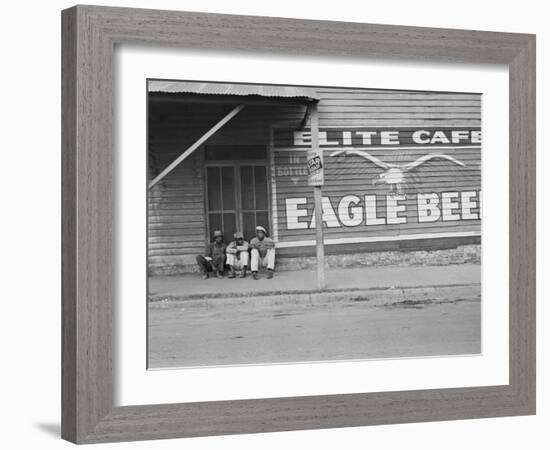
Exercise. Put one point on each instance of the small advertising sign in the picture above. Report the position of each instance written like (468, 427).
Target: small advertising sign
(315, 169)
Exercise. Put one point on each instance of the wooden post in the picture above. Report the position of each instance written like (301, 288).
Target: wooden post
(318, 197)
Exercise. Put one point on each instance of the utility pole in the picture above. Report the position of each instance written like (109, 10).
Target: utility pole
(316, 170)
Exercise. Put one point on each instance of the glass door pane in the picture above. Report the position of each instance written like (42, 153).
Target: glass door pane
(260, 188)
(222, 214)
(254, 199)
(214, 189)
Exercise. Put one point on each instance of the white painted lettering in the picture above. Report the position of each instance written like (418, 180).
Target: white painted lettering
(389, 137)
(367, 136)
(329, 216)
(449, 204)
(428, 207)
(346, 137)
(467, 205)
(294, 212)
(370, 211)
(350, 216)
(421, 137)
(439, 138)
(393, 208)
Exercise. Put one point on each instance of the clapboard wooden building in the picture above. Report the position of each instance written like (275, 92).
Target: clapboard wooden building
(402, 172)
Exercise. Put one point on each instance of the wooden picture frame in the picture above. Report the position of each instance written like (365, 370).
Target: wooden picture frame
(89, 37)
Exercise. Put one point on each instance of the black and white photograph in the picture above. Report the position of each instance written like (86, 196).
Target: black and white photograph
(292, 224)
(275, 225)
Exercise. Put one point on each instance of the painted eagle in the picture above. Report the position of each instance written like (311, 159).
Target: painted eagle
(395, 174)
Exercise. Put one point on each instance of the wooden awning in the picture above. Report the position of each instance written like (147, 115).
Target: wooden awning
(237, 91)
(241, 93)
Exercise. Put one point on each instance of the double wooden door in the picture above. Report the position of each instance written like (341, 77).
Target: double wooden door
(237, 197)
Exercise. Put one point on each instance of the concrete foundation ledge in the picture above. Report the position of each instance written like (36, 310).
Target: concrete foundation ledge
(462, 254)
(384, 296)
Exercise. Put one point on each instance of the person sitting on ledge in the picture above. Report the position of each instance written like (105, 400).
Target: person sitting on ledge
(262, 253)
(237, 255)
(214, 258)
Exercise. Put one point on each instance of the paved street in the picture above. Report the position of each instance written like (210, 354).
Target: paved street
(249, 333)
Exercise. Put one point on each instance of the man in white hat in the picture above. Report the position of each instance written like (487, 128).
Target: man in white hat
(237, 255)
(262, 253)
(214, 258)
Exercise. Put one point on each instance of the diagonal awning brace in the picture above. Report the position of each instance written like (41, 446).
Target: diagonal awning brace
(196, 145)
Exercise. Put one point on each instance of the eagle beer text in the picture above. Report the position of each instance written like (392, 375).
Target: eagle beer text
(352, 210)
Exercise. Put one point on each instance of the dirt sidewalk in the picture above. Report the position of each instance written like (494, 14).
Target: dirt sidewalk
(191, 286)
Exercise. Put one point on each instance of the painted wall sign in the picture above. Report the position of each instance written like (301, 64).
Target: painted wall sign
(374, 137)
(395, 174)
(379, 182)
(352, 210)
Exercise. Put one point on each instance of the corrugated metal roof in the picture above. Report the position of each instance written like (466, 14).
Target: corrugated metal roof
(233, 89)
